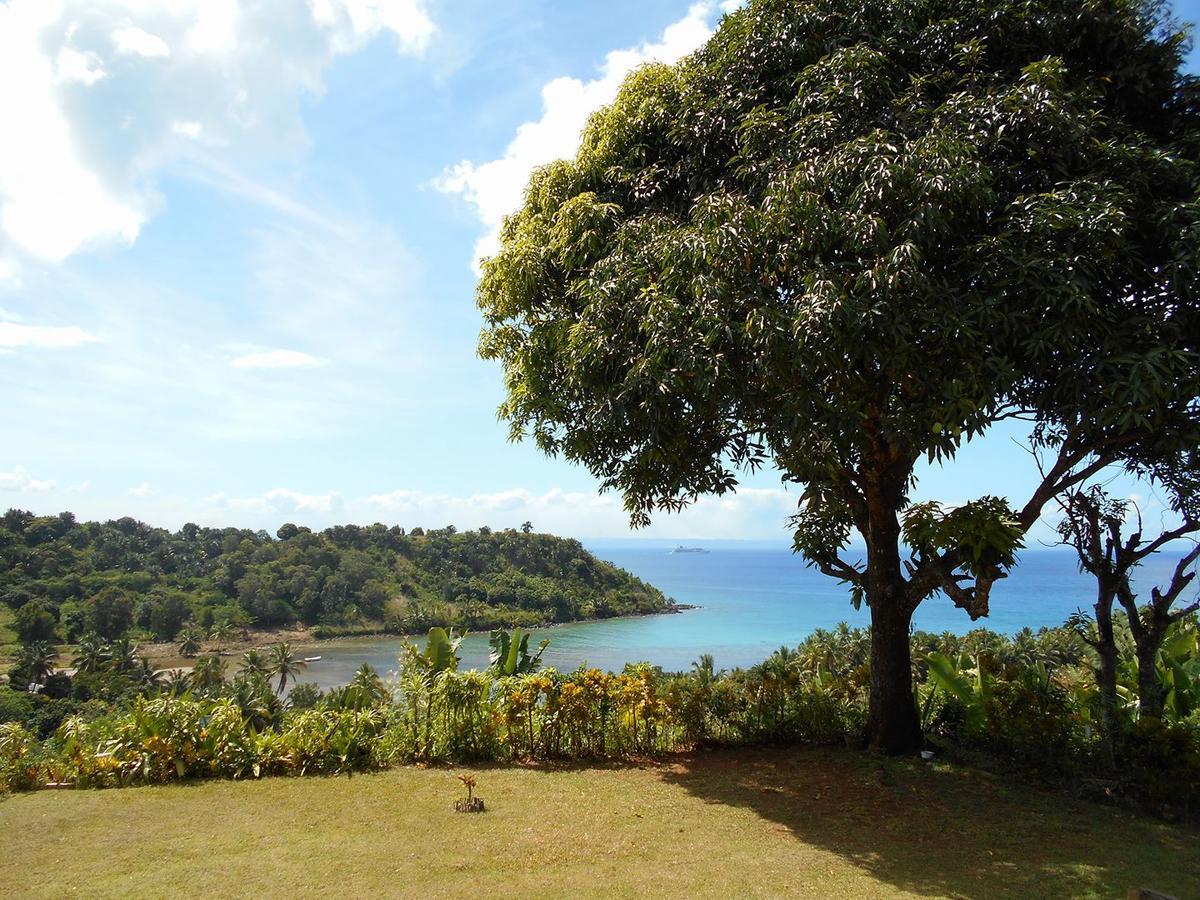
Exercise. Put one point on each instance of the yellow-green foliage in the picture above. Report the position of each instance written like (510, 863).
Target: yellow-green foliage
(428, 717)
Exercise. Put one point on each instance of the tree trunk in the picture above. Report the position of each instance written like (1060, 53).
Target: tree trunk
(893, 725)
(1106, 681)
(1106, 671)
(1150, 692)
(892, 722)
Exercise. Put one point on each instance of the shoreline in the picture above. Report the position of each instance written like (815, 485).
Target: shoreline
(166, 655)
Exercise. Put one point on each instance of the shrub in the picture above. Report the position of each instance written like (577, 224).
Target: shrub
(1163, 762)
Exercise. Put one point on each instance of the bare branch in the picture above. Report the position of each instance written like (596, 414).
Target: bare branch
(836, 567)
(1188, 527)
(1180, 579)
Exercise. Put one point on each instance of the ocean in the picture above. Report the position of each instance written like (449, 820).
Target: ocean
(751, 600)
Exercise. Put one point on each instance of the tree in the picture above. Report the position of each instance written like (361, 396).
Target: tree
(110, 613)
(208, 676)
(146, 675)
(35, 663)
(177, 682)
(221, 631)
(304, 696)
(169, 614)
(190, 640)
(93, 654)
(526, 527)
(254, 662)
(34, 623)
(846, 237)
(1094, 524)
(122, 656)
(284, 665)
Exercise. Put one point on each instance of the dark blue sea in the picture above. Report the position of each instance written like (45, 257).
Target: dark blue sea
(751, 600)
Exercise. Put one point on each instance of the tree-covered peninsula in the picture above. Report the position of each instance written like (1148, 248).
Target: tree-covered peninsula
(64, 579)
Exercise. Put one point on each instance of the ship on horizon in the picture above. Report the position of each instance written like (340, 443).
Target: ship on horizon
(683, 549)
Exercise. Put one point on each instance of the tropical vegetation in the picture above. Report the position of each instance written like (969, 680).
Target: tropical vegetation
(75, 581)
(1027, 704)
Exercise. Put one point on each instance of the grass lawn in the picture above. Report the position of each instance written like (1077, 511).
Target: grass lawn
(809, 823)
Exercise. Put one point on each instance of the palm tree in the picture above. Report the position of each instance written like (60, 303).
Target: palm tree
(252, 694)
(122, 655)
(36, 661)
(189, 640)
(254, 662)
(145, 673)
(221, 632)
(177, 682)
(284, 665)
(209, 674)
(368, 686)
(92, 655)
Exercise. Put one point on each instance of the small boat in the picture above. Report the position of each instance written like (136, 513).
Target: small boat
(312, 659)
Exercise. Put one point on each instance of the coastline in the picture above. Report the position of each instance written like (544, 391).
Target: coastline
(166, 656)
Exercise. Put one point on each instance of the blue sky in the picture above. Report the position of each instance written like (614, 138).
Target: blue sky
(237, 247)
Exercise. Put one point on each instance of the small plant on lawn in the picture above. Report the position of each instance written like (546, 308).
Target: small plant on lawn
(472, 803)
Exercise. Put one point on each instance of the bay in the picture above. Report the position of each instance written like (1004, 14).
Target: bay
(751, 600)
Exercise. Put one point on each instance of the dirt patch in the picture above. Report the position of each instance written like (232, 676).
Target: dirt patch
(167, 655)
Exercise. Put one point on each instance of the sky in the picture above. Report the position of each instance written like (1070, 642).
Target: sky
(238, 246)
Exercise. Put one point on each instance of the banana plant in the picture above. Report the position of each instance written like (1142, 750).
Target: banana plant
(509, 654)
(970, 687)
(1179, 672)
(441, 651)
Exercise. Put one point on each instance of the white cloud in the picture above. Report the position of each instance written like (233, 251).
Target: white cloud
(751, 512)
(280, 501)
(15, 335)
(276, 359)
(85, 68)
(93, 97)
(351, 21)
(495, 188)
(135, 41)
(145, 489)
(19, 480)
(192, 130)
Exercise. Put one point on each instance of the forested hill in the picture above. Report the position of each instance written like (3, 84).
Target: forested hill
(124, 576)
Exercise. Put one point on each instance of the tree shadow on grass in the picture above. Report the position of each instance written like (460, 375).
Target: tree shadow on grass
(937, 830)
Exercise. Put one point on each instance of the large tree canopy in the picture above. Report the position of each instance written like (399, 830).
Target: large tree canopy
(845, 236)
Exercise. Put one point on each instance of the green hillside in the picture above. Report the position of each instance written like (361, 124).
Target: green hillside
(64, 578)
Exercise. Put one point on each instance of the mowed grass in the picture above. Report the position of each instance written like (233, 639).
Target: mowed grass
(769, 823)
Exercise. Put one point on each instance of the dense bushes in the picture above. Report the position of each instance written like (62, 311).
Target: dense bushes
(65, 579)
(1023, 704)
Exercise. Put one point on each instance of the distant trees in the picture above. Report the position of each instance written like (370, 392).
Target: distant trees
(110, 612)
(124, 577)
(168, 614)
(34, 622)
(844, 238)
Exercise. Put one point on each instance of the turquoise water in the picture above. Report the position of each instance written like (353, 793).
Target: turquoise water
(751, 602)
